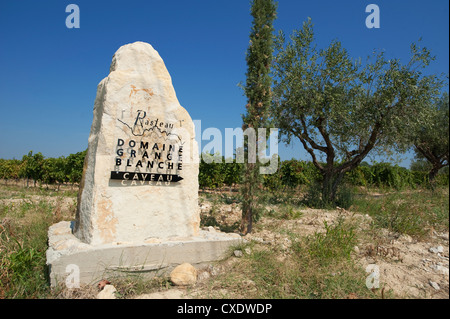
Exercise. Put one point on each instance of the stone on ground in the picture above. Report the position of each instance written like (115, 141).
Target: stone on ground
(184, 275)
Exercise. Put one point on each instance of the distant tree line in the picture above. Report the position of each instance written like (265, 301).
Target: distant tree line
(215, 172)
(295, 173)
(36, 168)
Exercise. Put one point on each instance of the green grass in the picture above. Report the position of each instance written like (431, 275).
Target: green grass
(23, 238)
(287, 212)
(335, 244)
(23, 243)
(128, 287)
(414, 213)
(318, 267)
(18, 191)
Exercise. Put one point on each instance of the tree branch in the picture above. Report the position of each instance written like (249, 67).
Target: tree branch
(330, 149)
(302, 139)
(308, 139)
(369, 146)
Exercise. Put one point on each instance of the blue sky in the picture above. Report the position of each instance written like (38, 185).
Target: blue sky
(49, 73)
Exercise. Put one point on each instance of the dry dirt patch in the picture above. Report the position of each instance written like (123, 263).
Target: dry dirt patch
(407, 267)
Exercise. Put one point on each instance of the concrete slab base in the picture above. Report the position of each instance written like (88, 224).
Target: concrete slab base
(70, 260)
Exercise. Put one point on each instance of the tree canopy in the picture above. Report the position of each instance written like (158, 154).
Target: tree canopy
(431, 137)
(340, 108)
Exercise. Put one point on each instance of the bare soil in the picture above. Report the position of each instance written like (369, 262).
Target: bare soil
(408, 267)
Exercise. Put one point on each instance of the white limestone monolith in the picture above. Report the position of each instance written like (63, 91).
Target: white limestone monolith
(138, 207)
(140, 178)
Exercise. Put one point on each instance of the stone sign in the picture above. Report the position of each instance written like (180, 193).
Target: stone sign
(138, 198)
(141, 172)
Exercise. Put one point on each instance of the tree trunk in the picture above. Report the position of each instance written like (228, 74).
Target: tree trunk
(331, 181)
(248, 202)
(433, 173)
(327, 194)
(247, 220)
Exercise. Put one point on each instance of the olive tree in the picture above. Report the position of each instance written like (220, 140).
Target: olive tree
(431, 137)
(342, 109)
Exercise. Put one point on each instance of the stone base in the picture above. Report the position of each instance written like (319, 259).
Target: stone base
(67, 255)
